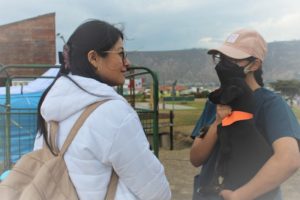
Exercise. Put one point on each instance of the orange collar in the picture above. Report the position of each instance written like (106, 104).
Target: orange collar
(236, 116)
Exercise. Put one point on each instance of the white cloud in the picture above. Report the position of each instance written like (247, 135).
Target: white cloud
(160, 6)
(282, 28)
(168, 24)
(207, 42)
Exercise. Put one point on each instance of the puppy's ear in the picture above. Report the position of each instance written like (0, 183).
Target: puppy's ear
(230, 93)
(215, 96)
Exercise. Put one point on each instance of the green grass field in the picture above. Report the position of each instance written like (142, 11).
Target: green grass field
(185, 120)
(296, 110)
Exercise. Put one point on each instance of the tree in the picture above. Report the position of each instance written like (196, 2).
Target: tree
(289, 88)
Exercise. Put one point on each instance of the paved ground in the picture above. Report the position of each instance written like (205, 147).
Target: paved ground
(180, 174)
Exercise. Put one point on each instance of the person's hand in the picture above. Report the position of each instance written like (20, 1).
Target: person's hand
(228, 195)
(222, 111)
(233, 195)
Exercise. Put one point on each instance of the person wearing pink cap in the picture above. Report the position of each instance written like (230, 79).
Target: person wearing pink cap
(243, 53)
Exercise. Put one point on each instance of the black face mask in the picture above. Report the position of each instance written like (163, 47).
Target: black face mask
(227, 70)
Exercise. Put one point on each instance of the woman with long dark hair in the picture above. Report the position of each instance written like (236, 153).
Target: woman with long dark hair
(112, 138)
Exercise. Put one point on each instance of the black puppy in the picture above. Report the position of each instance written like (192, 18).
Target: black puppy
(243, 150)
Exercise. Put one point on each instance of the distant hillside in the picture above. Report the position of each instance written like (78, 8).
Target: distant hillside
(283, 61)
(194, 66)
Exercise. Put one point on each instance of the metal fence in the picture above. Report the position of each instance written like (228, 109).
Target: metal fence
(18, 114)
(149, 115)
(18, 123)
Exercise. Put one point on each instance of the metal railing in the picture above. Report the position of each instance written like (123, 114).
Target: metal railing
(148, 116)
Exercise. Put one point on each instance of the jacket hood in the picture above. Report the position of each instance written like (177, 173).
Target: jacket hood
(65, 98)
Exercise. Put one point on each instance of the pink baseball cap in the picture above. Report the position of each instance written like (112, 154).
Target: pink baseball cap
(242, 44)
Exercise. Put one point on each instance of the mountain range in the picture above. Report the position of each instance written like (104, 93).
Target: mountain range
(195, 66)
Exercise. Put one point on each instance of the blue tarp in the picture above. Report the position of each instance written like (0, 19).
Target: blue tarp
(23, 117)
(22, 124)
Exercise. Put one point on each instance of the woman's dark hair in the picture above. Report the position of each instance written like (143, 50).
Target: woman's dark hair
(92, 35)
(258, 77)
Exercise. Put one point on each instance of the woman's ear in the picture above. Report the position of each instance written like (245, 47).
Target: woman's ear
(93, 58)
(256, 65)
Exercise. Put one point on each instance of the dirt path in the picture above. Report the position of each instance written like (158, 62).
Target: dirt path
(180, 174)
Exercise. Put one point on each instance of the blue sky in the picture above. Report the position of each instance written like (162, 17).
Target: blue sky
(154, 25)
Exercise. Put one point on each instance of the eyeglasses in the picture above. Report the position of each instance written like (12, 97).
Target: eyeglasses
(216, 58)
(122, 54)
(219, 57)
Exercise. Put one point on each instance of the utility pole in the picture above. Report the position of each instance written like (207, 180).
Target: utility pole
(173, 93)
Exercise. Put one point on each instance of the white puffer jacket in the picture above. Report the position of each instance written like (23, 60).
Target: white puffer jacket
(112, 136)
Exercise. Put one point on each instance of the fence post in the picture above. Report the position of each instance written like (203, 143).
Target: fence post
(171, 128)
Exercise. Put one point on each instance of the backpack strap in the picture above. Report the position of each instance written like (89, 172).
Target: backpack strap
(78, 125)
(112, 187)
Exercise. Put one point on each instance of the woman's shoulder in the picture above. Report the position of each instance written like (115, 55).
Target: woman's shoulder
(118, 105)
(114, 111)
(107, 120)
(267, 96)
(271, 102)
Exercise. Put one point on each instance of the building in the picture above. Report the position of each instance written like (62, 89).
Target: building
(29, 41)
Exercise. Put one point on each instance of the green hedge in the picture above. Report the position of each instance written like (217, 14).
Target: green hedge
(183, 98)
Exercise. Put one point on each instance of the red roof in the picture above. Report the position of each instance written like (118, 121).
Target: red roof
(168, 87)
